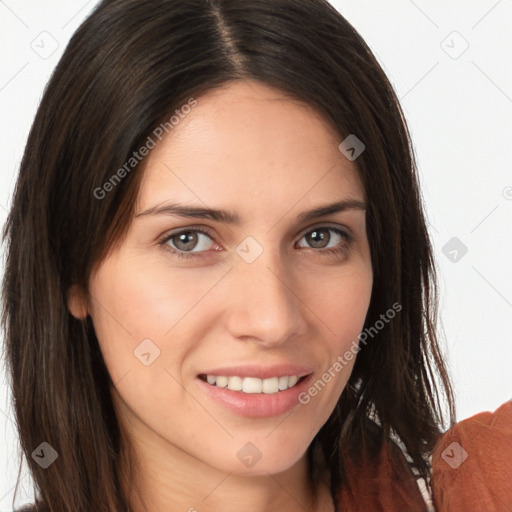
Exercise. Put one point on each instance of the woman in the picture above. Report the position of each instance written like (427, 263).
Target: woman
(219, 289)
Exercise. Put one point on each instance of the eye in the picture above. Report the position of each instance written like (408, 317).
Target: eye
(186, 241)
(321, 238)
(191, 242)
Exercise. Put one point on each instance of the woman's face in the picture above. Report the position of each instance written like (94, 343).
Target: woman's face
(246, 303)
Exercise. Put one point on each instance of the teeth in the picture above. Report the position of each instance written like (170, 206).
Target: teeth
(221, 382)
(235, 383)
(292, 381)
(270, 385)
(253, 384)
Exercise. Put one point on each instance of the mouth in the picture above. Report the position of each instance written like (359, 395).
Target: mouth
(253, 385)
(255, 397)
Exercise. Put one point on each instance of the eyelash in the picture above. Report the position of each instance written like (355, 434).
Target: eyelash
(342, 248)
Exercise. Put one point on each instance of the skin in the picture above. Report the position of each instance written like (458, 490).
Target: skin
(248, 149)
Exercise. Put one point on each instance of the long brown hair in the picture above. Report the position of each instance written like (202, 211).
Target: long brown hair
(125, 70)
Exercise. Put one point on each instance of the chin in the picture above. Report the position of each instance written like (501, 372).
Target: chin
(259, 458)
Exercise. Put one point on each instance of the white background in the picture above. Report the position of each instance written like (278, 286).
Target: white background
(459, 110)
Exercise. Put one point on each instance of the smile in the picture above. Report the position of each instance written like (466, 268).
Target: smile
(254, 397)
(269, 386)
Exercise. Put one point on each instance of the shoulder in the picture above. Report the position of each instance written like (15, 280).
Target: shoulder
(472, 464)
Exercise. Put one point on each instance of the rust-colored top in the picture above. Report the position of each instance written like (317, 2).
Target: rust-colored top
(471, 472)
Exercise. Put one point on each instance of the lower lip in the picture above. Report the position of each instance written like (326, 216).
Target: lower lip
(257, 405)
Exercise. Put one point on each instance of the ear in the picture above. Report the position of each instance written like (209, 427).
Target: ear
(76, 302)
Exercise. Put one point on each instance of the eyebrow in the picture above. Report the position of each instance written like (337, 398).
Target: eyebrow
(227, 217)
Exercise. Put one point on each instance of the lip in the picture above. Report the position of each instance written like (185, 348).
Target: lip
(256, 405)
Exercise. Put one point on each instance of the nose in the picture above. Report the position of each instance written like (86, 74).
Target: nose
(264, 304)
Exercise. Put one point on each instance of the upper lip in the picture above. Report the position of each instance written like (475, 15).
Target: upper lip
(259, 371)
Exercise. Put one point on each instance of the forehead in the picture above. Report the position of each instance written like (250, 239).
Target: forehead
(247, 145)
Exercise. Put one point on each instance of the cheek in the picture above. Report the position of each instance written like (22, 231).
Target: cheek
(132, 303)
(341, 302)
(139, 318)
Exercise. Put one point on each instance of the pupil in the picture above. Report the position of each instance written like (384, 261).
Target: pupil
(321, 236)
(182, 239)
